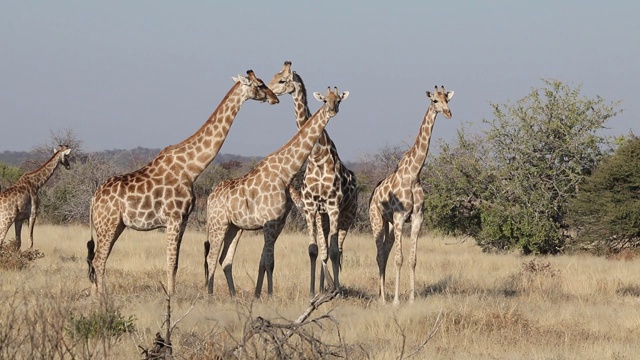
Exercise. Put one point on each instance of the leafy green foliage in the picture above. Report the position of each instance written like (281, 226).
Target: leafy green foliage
(106, 323)
(451, 180)
(9, 175)
(509, 187)
(606, 210)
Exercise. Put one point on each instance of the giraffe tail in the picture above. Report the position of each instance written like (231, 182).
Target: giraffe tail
(91, 247)
(207, 247)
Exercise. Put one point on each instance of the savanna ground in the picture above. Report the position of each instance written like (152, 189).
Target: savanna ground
(483, 306)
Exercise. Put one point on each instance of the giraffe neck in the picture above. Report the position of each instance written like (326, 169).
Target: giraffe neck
(39, 177)
(323, 146)
(413, 160)
(301, 105)
(197, 151)
(290, 158)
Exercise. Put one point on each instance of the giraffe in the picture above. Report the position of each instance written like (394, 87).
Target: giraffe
(260, 199)
(329, 194)
(160, 195)
(19, 202)
(400, 196)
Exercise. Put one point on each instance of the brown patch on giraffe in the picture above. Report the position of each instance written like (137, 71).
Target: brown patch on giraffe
(146, 203)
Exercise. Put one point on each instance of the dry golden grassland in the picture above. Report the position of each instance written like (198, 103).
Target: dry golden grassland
(489, 306)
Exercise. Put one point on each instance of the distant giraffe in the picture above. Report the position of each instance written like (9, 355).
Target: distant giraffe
(260, 199)
(160, 194)
(400, 195)
(19, 202)
(329, 194)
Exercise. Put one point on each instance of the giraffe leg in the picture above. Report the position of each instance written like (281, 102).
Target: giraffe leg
(5, 224)
(322, 223)
(313, 249)
(416, 223)
(215, 237)
(380, 229)
(106, 236)
(216, 234)
(4, 229)
(231, 239)
(398, 221)
(334, 250)
(32, 217)
(347, 217)
(267, 261)
(32, 224)
(17, 226)
(175, 231)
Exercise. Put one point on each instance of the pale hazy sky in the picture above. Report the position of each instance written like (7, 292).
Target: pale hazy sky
(124, 74)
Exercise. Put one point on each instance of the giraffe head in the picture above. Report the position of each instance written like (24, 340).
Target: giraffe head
(332, 100)
(63, 158)
(282, 82)
(255, 89)
(440, 101)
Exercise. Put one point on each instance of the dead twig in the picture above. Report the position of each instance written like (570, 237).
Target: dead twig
(277, 336)
(432, 333)
(162, 348)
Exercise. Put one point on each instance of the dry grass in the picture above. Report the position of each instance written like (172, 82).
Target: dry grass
(492, 306)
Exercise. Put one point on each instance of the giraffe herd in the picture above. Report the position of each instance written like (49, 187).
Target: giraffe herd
(160, 194)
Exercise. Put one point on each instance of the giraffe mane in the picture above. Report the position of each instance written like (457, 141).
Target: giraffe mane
(298, 79)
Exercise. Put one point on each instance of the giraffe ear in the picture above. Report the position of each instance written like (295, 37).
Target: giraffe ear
(318, 96)
(429, 95)
(67, 152)
(450, 95)
(345, 94)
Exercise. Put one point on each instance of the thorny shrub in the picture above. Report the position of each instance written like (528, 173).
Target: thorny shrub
(12, 258)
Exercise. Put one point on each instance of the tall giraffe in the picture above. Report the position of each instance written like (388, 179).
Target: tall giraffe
(329, 190)
(400, 196)
(19, 202)
(260, 199)
(160, 194)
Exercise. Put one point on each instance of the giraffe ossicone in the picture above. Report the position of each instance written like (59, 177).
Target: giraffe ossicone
(400, 197)
(160, 195)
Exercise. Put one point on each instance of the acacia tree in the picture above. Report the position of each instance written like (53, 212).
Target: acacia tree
(606, 211)
(519, 174)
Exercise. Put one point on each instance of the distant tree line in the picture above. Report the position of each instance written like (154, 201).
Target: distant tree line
(540, 177)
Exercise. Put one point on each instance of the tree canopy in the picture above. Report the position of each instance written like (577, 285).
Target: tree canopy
(606, 211)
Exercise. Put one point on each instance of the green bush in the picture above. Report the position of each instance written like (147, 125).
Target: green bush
(606, 211)
(99, 325)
